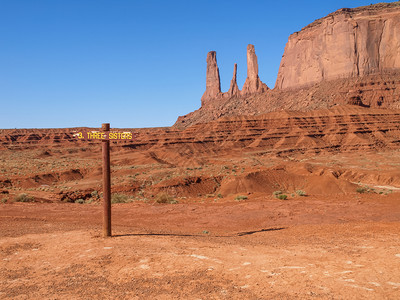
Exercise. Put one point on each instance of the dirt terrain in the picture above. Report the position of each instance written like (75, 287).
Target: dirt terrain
(223, 232)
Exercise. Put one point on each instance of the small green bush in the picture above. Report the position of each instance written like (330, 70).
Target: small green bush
(276, 193)
(80, 201)
(282, 197)
(120, 198)
(301, 193)
(4, 200)
(240, 198)
(220, 196)
(24, 198)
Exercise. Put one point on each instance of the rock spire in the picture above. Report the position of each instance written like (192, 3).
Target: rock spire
(253, 84)
(233, 89)
(213, 84)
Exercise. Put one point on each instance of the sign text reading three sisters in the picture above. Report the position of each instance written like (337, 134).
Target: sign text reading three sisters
(107, 135)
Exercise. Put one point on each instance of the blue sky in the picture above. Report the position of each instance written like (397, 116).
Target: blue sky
(70, 63)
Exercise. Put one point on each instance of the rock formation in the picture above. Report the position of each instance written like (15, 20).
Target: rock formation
(213, 84)
(347, 43)
(253, 84)
(352, 56)
(233, 89)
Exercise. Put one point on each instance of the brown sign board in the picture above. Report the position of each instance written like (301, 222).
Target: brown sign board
(104, 135)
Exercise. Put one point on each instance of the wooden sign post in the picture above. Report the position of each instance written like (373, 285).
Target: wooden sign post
(105, 135)
(105, 127)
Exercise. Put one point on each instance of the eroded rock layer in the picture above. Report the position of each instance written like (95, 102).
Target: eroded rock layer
(342, 128)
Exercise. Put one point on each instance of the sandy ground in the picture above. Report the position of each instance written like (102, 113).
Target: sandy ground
(313, 247)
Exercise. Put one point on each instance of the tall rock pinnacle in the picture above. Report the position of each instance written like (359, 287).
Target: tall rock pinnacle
(253, 84)
(233, 89)
(213, 84)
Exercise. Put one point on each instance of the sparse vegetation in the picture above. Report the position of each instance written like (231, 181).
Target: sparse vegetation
(282, 197)
(164, 198)
(80, 201)
(301, 193)
(276, 193)
(361, 190)
(240, 198)
(95, 194)
(220, 196)
(24, 198)
(4, 200)
(120, 198)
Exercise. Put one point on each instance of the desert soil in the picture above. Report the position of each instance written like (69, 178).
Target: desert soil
(325, 247)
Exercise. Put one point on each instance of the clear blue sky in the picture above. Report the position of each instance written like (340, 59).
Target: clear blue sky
(70, 63)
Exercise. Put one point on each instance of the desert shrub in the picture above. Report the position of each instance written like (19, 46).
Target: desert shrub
(95, 194)
(220, 196)
(80, 201)
(120, 198)
(361, 190)
(67, 199)
(240, 198)
(282, 197)
(301, 193)
(165, 198)
(4, 200)
(24, 198)
(276, 193)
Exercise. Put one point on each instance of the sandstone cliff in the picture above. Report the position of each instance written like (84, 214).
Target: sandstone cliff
(346, 43)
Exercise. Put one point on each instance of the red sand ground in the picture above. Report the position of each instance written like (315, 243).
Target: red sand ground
(340, 247)
(334, 243)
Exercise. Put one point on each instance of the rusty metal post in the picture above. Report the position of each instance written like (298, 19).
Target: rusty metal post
(106, 183)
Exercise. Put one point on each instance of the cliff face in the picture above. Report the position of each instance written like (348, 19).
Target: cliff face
(346, 43)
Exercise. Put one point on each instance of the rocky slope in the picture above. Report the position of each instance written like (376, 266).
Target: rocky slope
(231, 155)
(352, 56)
(342, 128)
